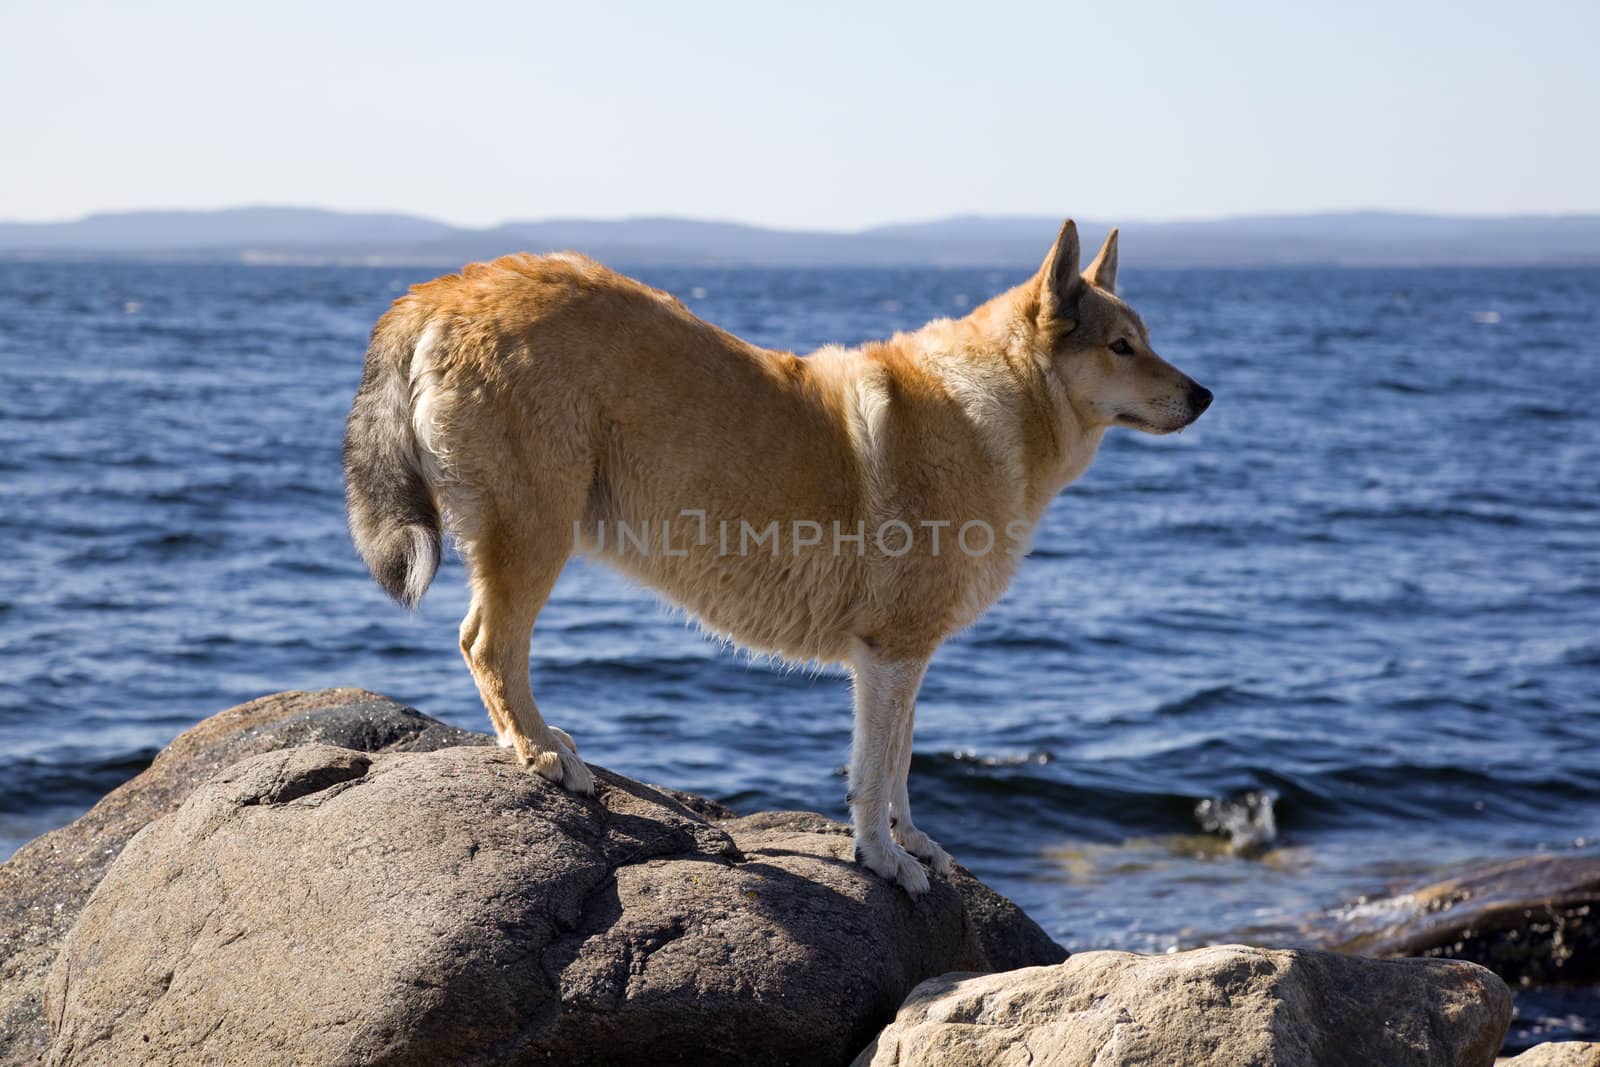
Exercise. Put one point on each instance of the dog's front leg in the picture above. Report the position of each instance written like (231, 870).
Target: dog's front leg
(905, 830)
(885, 695)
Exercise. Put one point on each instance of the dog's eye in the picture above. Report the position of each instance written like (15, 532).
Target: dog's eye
(1121, 347)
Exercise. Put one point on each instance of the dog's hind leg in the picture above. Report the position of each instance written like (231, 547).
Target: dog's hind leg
(885, 697)
(905, 831)
(512, 575)
(469, 636)
(497, 716)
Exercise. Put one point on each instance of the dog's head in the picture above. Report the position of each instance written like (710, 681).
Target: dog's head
(1097, 347)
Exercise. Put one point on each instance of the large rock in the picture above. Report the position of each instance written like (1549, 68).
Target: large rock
(1557, 1054)
(1532, 920)
(43, 886)
(1226, 1006)
(328, 905)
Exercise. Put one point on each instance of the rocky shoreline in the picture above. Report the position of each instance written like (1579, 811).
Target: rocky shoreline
(333, 877)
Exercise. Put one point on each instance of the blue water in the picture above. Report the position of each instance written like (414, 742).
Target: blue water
(1366, 583)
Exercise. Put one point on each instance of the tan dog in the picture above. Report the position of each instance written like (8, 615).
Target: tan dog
(856, 506)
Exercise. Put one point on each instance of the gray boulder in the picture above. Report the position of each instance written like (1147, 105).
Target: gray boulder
(1226, 1006)
(329, 905)
(43, 886)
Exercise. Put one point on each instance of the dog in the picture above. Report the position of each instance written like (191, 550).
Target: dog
(852, 507)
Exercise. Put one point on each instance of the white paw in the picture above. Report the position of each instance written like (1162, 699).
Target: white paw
(503, 739)
(888, 860)
(576, 775)
(566, 739)
(923, 847)
(562, 767)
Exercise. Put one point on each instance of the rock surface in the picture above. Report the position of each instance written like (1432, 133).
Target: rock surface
(1557, 1054)
(1225, 1006)
(43, 886)
(423, 901)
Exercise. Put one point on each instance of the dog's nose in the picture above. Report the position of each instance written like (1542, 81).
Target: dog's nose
(1199, 398)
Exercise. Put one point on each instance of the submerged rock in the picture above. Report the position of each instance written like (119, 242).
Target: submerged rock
(1534, 920)
(426, 901)
(1224, 1005)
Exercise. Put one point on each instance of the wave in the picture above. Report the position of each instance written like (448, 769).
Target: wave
(1394, 385)
(1206, 699)
(1413, 513)
(1248, 821)
(66, 781)
(149, 547)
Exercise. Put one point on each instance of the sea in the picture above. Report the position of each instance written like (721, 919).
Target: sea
(1341, 634)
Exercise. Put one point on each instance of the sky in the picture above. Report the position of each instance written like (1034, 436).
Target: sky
(814, 116)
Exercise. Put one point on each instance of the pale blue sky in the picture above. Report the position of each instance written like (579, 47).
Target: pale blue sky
(809, 115)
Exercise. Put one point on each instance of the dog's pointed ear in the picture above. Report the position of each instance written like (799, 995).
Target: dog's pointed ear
(1102, 273)
(1059, 281)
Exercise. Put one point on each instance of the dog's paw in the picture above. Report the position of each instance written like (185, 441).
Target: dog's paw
(889, 861)
(565, 738)
(924, 848)
(563, 767)
(576, 775)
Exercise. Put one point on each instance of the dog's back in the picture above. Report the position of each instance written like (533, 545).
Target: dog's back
(552, 393)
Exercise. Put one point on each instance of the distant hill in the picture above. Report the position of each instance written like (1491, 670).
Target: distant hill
(314, 235)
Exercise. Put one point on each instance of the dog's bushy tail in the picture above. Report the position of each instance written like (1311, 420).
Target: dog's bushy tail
(394, 517)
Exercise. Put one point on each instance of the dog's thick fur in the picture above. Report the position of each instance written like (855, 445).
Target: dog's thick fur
(539, 404)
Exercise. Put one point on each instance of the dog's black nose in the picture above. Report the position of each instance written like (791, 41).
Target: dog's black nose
(1199, 398)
